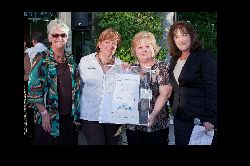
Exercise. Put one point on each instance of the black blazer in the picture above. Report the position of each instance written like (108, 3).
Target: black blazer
(196, 94)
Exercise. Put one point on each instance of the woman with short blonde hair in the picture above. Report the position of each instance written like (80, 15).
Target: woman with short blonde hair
(154, 80)
(144, 35)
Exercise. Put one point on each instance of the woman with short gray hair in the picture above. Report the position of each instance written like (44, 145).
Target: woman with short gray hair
(53, 90)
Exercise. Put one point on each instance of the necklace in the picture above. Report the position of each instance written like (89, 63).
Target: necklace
(111, 62)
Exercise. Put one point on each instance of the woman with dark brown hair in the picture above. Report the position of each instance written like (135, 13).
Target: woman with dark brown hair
(193, 76)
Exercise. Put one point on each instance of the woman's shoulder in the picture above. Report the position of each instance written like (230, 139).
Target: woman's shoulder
(88, 57)
(205, 54)
(203, 51)
(161, 64)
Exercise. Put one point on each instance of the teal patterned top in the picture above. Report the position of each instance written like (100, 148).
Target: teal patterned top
(42, 87)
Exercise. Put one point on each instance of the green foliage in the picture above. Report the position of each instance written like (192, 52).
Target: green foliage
(170, 111)
(128, 24)
(205, 24)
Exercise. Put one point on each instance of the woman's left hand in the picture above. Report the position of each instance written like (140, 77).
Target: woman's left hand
(209, 126)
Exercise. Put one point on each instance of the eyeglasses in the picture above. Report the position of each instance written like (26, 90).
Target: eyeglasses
(63, 35)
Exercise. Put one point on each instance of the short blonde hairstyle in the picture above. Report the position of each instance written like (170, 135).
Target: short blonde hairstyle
(144, 35)
(108, 34)
(57, 23)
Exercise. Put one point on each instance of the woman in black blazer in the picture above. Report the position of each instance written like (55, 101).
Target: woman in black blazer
(193, 76)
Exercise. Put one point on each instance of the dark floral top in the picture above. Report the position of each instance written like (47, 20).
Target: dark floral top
(159, 76)
(42, 87)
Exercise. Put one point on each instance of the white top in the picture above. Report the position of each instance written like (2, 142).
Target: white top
(32, 51)
(92, 76)
(178, 68)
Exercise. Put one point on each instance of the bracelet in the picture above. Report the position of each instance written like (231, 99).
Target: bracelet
(44, 112)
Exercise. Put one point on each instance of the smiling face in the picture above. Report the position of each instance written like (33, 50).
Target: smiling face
(108, 47)
(144, 51)
(182, 40)
(58, 38)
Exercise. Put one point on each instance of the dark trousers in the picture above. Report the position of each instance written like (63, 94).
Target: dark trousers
(100, 133)
(182, 131)
(68, 133)
(159, 137)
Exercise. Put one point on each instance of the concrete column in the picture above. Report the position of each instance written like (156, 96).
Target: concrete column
(168, 19)
(66, 17)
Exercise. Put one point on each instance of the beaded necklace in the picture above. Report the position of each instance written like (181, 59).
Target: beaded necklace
(111, 62)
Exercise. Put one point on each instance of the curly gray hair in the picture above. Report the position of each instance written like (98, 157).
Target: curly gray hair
(57, 23)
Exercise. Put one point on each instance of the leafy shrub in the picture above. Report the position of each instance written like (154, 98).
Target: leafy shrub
(128, 24)
(205, 24)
